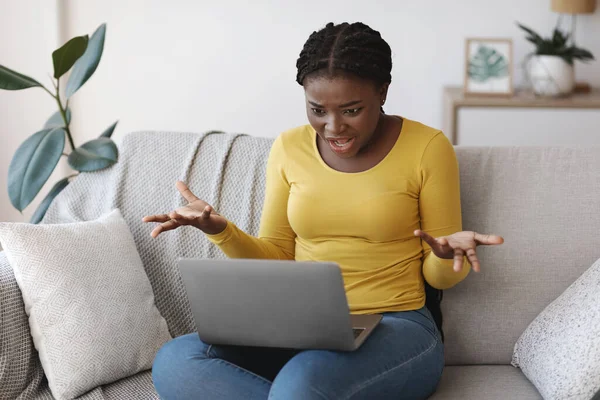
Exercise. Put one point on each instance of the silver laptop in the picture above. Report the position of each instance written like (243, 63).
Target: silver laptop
(272, 303)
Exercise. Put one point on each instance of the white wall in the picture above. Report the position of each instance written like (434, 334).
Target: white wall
(230, 65)
(28, 35)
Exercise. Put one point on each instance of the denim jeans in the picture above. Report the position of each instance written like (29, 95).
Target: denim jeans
(402, 359)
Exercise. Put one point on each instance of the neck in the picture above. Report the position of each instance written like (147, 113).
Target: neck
(377, 134)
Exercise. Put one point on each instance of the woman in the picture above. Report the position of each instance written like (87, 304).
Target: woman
(365, 189)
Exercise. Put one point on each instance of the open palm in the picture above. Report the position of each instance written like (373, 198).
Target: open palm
(458, 245)
(196, 213)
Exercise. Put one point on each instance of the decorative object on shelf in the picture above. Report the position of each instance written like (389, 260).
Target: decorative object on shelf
(37, 157)
(573, 8)
(488, 67)
(550, 68)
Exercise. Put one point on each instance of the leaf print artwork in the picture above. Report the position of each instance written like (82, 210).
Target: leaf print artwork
(487, 63)
(488, 66)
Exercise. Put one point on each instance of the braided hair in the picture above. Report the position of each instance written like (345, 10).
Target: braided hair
(354, 48)
(360, 50)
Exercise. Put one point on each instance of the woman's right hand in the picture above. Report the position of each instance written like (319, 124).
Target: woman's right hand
(197, 213)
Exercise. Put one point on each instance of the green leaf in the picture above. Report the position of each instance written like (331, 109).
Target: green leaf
(65, 57)
(582, 54)
(94, 155)
(43, 207)
(85, 67)
(56, 121)
(12, 80)
(109, 131)
(531, 33)
(556, 46)
(559, 39)
(535, 41)
(32, 164)
(570, 54)
(487, 63)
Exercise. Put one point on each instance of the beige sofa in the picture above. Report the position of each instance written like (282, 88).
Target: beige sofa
(544, 201)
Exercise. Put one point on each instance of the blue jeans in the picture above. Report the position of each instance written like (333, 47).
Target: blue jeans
(402, 359)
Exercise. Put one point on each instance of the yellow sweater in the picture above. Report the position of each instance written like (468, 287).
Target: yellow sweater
(363, 221)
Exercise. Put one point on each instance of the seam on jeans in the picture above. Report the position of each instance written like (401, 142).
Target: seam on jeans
(436, 335)
(427, 314)
(208, 351)
(377, 377)
(317, 391)
(237, 367)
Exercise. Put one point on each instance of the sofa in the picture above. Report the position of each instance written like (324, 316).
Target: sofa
(544, 201)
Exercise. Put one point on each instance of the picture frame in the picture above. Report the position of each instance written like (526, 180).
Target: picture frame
(488, 67)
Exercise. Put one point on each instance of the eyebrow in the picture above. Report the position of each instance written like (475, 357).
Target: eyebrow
(351, 103)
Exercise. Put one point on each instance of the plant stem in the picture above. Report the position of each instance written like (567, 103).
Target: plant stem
(64, 115)
(49, 92)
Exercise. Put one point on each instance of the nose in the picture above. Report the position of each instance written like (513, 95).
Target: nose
(333, 126)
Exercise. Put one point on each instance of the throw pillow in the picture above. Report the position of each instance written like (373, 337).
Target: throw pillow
(90, 304)
(559, 352)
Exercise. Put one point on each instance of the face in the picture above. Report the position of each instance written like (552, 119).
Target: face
(344, 111)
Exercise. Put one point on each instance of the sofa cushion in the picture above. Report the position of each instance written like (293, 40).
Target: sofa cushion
(560, 350)
(89, 302)
(489, 382)
(544, 202)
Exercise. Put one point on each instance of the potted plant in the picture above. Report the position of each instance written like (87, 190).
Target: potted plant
(550, 67)
(37, 157)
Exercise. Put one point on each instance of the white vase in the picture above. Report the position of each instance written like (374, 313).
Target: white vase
(551, 76)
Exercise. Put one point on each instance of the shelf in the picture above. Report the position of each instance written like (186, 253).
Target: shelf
(525, 98)
(455, 99)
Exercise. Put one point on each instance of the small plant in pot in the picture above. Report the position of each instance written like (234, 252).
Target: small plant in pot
(550, 67)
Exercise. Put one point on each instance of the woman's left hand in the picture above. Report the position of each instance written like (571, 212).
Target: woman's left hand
(458, 245)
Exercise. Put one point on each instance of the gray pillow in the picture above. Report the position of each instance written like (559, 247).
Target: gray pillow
(90, 304)
(559, 352)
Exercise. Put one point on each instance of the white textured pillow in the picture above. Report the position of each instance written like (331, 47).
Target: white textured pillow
(89, 302)
(559, 352)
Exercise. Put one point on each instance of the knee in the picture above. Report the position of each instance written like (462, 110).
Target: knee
(173, 359)
(305, 387)
(301, 380)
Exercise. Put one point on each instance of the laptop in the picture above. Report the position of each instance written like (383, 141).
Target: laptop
(273, 303)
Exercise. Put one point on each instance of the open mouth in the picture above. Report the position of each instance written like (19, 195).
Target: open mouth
(342, 145)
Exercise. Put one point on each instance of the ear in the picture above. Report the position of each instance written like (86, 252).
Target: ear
(383, 91)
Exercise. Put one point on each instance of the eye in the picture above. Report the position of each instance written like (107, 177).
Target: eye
(318, 111)
(352, 111)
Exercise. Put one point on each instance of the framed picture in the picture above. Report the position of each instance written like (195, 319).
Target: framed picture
(488, 67)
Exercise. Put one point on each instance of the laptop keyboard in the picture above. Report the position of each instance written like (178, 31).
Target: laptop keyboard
(357, 332)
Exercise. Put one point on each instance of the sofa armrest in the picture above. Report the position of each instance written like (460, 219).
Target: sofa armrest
(20, 369)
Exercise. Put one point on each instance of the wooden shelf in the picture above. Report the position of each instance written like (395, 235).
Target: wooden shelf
(524, 98)
(454, 99)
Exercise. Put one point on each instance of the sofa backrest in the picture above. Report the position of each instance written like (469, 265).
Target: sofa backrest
(545, 202)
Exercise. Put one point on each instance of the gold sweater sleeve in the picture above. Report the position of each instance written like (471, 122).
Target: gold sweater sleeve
(276, 239)
(440, 210)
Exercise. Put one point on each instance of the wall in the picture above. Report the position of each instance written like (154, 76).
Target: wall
(230, 65)
(29, 33)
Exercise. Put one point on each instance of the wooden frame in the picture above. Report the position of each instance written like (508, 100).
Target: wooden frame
(483, 78)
